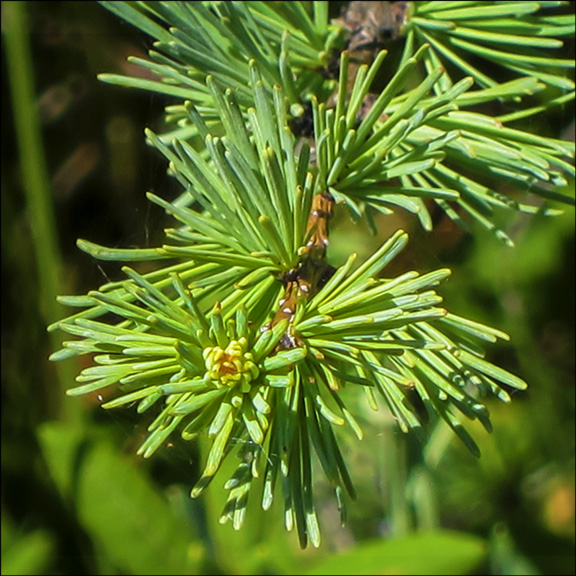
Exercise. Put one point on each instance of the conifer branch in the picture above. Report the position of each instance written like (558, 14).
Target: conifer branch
(246, 333)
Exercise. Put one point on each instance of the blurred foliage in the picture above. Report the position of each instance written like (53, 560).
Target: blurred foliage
(73, 504)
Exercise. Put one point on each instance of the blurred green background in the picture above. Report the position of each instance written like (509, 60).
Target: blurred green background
(75, 499)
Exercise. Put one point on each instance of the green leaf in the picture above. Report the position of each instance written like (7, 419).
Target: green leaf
(478, 28)
(119, 254)
(30, 553)
(129, 519)
(434, 553)
(491, 370)
(489, 10)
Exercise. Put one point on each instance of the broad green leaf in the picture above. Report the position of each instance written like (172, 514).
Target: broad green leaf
(128, 517)
(439, 553)
(28, 554)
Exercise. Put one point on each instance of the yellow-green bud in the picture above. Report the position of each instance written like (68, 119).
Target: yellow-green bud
(231, 366)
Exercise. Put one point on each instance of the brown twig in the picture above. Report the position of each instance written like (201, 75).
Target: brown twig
(369, 25)
(312, 271)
